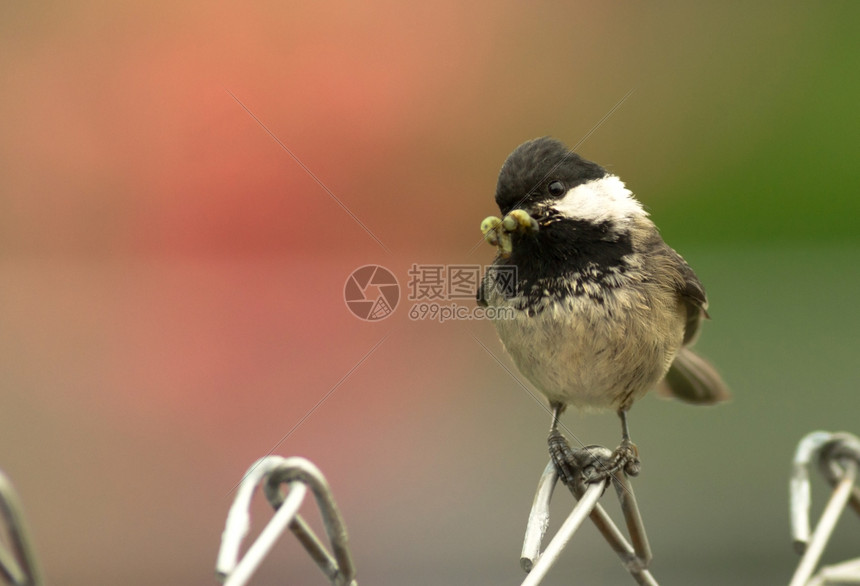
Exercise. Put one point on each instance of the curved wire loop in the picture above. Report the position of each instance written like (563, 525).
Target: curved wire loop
(18, 566)
(838, 458)
(635, 557)
(298, 474)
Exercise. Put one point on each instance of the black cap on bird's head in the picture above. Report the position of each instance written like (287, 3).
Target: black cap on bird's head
(539, 170)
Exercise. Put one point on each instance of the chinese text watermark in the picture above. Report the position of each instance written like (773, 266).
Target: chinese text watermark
(438, 292)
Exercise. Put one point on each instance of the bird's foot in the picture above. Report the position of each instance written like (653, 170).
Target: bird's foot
(498, 232)
(564, 458)
(591, 464)
(625, 459)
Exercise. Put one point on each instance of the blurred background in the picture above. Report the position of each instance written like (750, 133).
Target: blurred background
(171, 279)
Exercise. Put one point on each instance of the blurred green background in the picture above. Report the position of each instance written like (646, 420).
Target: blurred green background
(171, 280)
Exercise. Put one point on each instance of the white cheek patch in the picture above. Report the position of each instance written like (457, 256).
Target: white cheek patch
(601, 200)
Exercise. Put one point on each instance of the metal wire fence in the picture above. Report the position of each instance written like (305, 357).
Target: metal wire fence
(285, 483)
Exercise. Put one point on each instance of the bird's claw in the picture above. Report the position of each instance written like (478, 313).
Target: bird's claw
(498, 232)
(591, 464)
(625, 458)
(564, 458)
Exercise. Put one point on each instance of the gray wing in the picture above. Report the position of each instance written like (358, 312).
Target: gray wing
(691, 378)
(690, 290)
(693, 295)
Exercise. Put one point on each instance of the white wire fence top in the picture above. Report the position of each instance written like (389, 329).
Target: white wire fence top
(838, 458)
(298, 474)
(285, 483)
(18, 565)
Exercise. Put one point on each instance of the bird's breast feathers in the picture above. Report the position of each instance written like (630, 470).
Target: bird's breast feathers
(600, 349)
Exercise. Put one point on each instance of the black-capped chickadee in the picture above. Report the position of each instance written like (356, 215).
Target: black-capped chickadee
(601, 310)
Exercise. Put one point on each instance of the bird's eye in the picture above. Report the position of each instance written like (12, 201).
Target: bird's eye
(556, 188)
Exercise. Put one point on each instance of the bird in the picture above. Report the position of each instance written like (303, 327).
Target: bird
(594, 308)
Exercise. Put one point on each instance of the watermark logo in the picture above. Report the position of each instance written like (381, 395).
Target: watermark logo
(438, 292)
(371, 293)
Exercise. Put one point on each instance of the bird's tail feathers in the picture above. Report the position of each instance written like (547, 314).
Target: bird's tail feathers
(693, 379)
